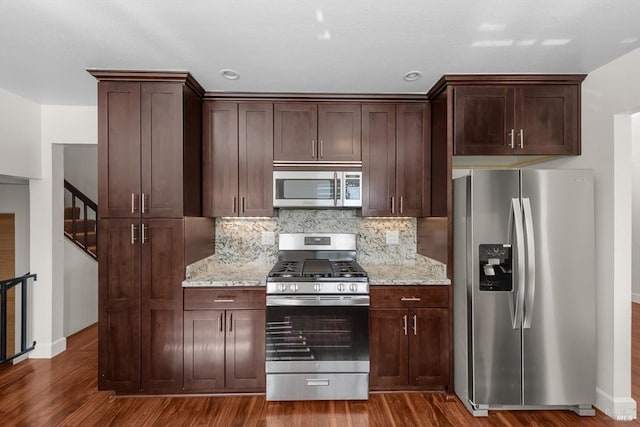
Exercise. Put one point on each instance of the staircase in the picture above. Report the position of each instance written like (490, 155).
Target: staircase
(80, 224)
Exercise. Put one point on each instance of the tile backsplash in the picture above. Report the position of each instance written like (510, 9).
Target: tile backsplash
(239, 240)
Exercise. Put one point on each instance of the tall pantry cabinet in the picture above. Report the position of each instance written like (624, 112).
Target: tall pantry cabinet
(149, 198)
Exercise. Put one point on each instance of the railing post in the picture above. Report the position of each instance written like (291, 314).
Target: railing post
(23, 316)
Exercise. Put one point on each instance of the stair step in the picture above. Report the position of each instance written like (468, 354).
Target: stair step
(91, 238)
(68, 225)
(93, 249)
(70, 213)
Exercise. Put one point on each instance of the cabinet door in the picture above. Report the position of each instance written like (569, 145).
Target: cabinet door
(255, 159)
(547, 120)
(220, 159)
(118, 305)
(339, 132)
(413, 166)
(161, 136)
(378, 158)
(245, 350)
(483, 119)
(429, 344)
(118, 149)
(389, 350)
(295, 136)
(162, 271)
(204, 350)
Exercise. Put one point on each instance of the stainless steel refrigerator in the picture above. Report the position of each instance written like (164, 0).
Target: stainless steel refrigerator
(524, 290)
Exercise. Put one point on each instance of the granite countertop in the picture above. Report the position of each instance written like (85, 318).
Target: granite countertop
(210, 272)
(403, 274)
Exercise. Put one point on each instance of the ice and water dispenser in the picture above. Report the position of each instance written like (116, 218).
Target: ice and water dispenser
(496, 265)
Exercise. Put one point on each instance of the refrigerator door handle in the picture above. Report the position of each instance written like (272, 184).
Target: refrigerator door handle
(531, 264)
(515, 222)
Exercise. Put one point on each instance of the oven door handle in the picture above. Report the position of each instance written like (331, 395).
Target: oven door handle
(318, 300)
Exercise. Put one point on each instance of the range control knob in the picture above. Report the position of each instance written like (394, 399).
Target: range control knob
(353, 287)
(317, 287)
(282, 287)
(293, 287)
(340, 287)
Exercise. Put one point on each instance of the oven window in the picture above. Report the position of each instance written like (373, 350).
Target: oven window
(317, 333)
(301, 189)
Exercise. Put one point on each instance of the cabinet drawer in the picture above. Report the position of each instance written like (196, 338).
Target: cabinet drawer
(222, 298)
(409, 296)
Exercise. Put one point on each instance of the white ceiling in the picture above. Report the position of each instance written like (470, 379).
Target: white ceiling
(344, 46)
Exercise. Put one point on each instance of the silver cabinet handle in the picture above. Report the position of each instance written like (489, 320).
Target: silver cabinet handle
(143, 237)
(335, 188)
(142, 197)
(321, 149)
(409, 299)
(133, 234)
(313, 148)
(230, 322)
(224, 300)
(133, 203)
(393, 207)
(234, 204)
(242, 204)
(513, 139)
(220, 321)
(521, 138)
(401, 200)
(404, 328)
(415, 324)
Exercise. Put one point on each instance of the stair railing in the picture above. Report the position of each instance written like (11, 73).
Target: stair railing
(5, 286)
(88, 206)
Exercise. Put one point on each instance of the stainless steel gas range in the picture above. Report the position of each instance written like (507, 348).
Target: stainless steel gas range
(317, 335)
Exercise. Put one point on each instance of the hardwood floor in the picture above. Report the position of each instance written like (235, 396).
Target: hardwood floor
(63, 392)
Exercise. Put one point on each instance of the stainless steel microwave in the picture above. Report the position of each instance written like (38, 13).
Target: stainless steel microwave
(306, 189)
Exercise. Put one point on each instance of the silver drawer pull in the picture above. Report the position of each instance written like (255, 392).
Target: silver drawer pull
(224, 300)
(409, 299)
(317, 382)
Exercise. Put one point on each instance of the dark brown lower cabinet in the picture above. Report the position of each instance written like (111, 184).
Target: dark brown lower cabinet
(224, 349)
(409, 344)
(140, 270)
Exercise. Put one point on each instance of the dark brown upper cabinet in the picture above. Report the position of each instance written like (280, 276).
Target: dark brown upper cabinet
(238, 159)
(308, 132)
(515, 115)
(149, 147)
(396, 160)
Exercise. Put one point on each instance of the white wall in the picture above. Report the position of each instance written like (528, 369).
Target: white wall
(81, 168)
(80, 289)
(60, 125)
(19, 136)
(635, 184)
(610, 95)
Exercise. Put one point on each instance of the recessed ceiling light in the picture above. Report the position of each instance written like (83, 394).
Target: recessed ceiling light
(230, 74)
(412, 76)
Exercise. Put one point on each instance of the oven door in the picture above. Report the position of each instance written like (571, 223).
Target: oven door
(317, 333)
(307, 189)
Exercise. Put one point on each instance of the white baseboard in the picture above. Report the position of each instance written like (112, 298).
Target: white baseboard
(48, 350)
(635, 297)
(618, 408)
